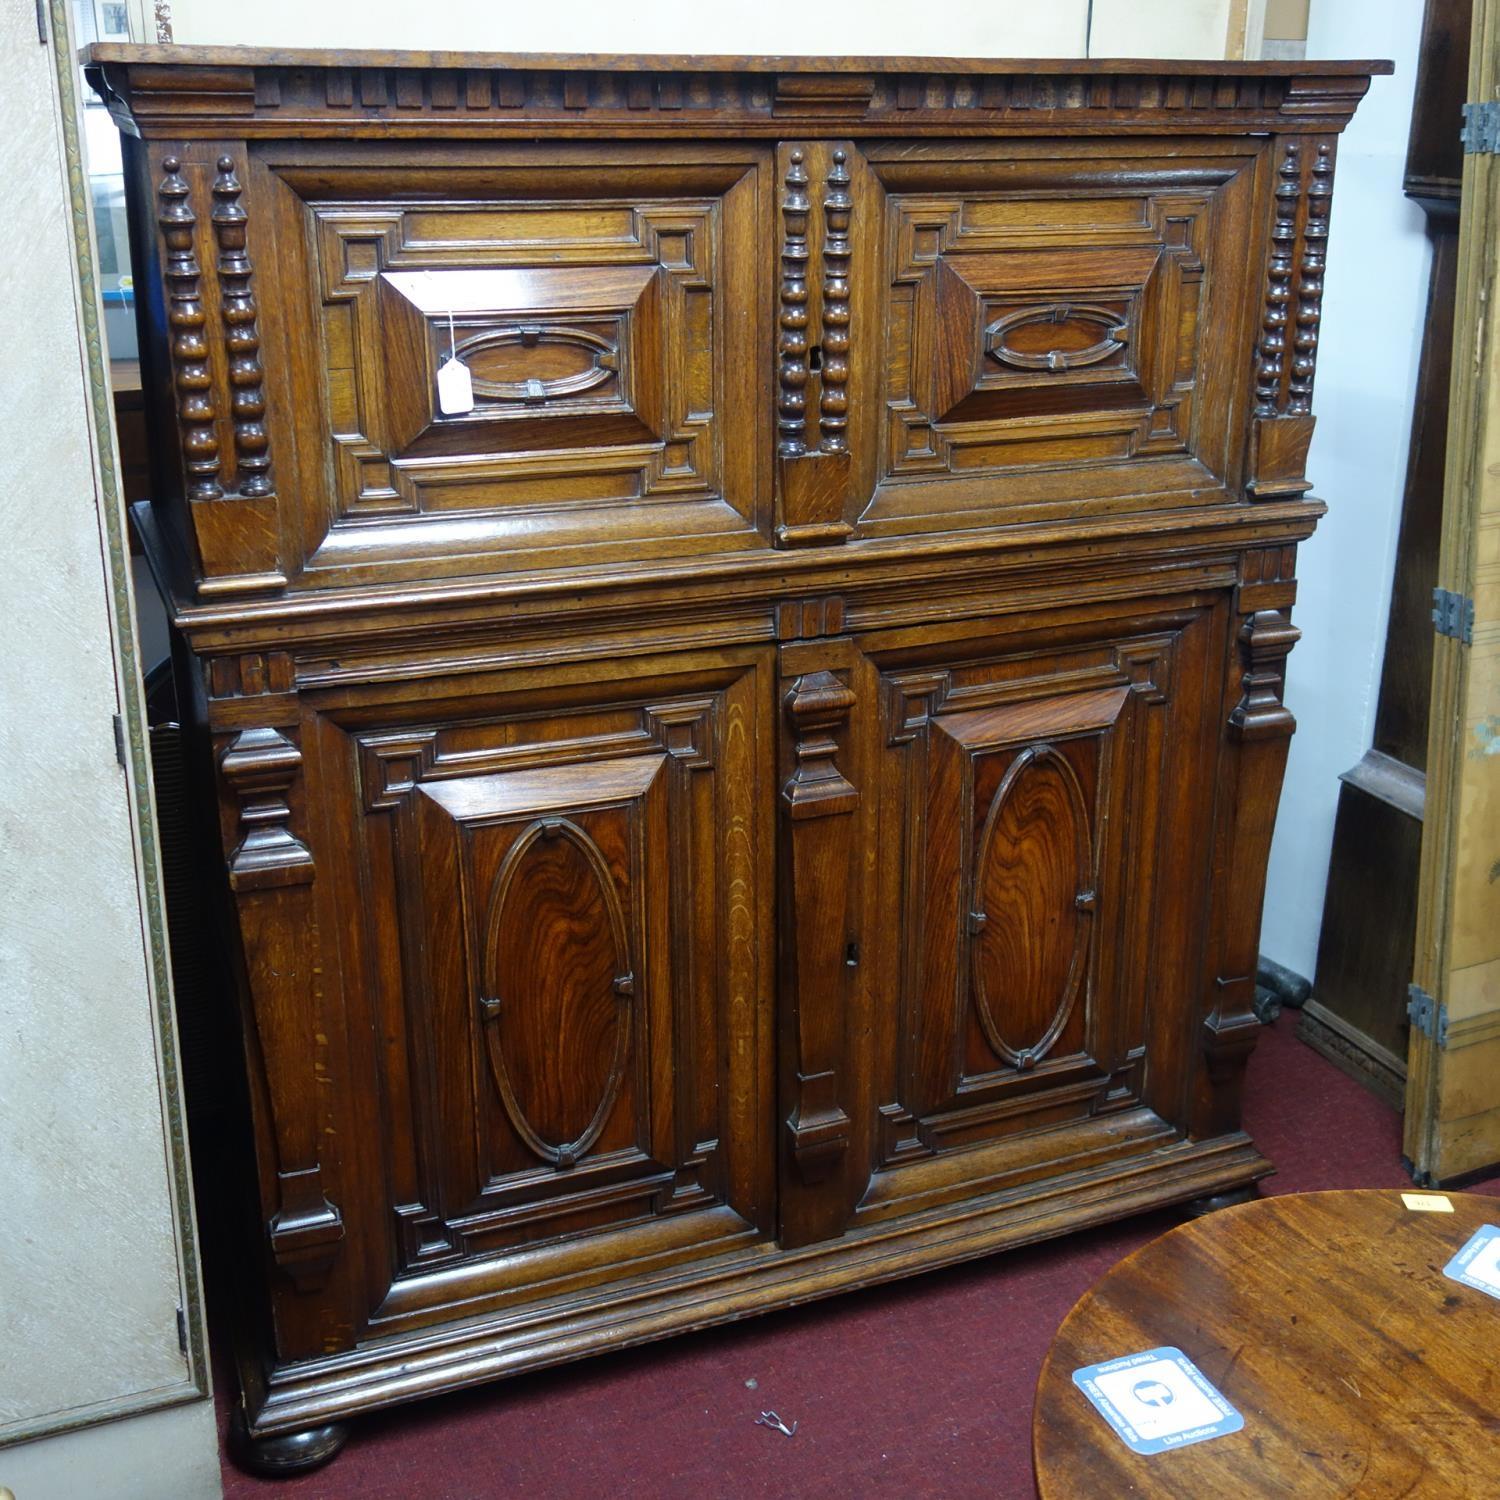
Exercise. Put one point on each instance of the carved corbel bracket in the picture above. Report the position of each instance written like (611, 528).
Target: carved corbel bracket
(820, 954)
(307, 1230)
(261, 765)
(814, 475)
(1286, 353)
(817, 704)
(1266, 639)
(1229, 1036)
(271, 872)
(234, 517)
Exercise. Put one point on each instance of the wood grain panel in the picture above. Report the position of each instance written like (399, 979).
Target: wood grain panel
(607, 317)
(1058, 315)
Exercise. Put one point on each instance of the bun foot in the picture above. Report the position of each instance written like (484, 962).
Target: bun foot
(279, 1453)
(1195, 1208)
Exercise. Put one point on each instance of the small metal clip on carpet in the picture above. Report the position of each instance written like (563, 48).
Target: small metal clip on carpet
(770, 1419)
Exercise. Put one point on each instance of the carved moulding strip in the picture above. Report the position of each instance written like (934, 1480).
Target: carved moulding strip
(271, 872)
(818, 802)
(269, 98)
(1286, 352)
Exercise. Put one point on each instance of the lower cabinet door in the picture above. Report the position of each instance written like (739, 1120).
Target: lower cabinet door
(552, 898)
(1046, 799)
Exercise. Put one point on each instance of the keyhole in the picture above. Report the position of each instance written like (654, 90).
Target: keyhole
(851, 955)
(815, 358)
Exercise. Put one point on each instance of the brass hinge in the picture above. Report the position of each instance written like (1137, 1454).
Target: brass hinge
(1481, 133)
(1430, 1018)
(1453, 615)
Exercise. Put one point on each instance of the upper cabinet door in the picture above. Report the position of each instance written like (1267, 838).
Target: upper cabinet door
(604, 302)
(1067, 328)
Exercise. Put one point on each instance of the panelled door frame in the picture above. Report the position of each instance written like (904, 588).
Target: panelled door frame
(656, 776)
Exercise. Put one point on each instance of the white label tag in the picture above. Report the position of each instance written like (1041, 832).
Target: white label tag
(1427, 1203)
(455, 388)
(1157, 1400)
(1478, 1263)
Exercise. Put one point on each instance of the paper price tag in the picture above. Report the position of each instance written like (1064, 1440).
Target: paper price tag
(1157, 1400)
(1427, 1203)
(1478, 1263)
(455, 388)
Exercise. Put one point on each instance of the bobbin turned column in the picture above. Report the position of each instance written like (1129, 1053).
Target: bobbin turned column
(813, 459)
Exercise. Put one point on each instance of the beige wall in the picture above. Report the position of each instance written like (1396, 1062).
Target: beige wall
(1286, 20)
(1176, 28)
(97, 1256)
(958, 28)
(1054, 28)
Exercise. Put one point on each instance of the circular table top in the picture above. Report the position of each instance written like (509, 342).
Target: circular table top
(1325, 1319)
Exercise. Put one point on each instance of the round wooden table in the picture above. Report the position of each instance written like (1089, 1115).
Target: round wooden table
(1326, 1321)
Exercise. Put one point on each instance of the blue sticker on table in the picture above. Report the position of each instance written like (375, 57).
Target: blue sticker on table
(1478, 1263)
(1157, 1400)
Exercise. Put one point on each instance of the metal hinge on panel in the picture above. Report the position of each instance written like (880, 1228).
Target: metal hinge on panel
(182, 1342)
(1481, 134)
(1453, 615)
(1430, 1018)
(120, 740)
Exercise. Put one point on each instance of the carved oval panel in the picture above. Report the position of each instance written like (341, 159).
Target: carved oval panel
(559, 988)
(1033, 906)
(1058, 336)
(537, 362)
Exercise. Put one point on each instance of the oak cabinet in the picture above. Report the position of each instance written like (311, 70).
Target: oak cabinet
(764, 784)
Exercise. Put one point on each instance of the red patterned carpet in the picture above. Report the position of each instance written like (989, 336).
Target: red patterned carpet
(918, 1389)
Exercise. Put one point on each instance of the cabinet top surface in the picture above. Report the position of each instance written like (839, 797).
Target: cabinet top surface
(322, 57)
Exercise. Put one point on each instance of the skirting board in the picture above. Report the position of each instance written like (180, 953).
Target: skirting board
(1361, 1058)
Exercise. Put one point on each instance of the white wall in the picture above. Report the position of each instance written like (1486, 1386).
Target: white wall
(950, 28)
(1182, 28)
(1373, 313)
(978, 28)
(97, 1254)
